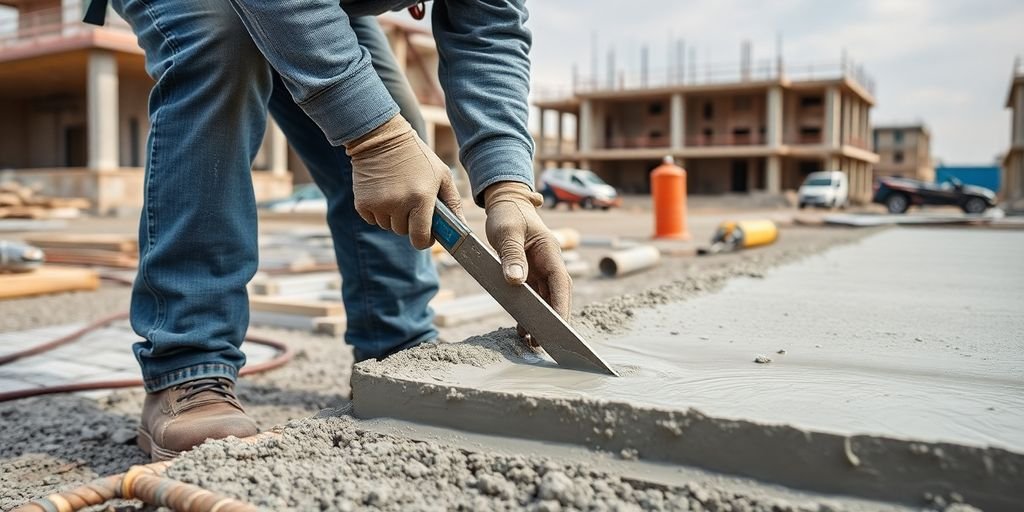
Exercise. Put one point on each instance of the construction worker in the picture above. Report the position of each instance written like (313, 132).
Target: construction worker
(327, 76)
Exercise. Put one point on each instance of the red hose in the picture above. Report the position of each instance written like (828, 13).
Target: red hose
(284, 355)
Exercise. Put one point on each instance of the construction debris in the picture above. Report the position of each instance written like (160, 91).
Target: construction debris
(568, 238)
(309, 284)
(21, 202)
(624, 262)
(319, 312)
(744, 234)
(105, 250)
(17, 257)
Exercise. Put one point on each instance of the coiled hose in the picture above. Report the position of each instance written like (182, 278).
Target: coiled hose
(143, 482)
(284, 354)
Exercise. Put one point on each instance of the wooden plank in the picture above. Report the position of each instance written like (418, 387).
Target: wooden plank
(126, 244)
(103, 258)
(330, 325)
(296, 307)
(46, 280)
(293, 313)
(296, 284)
(23, 212)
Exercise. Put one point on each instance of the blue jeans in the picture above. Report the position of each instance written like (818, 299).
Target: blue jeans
(198, 232)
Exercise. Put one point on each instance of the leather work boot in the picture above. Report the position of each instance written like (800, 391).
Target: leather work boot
(182, 416)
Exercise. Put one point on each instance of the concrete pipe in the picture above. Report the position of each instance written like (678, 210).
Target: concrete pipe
(630, 260)
(567, 238)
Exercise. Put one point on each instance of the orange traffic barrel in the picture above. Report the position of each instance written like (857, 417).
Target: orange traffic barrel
(668, 189)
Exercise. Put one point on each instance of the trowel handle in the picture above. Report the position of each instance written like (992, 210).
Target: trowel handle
(447, 228)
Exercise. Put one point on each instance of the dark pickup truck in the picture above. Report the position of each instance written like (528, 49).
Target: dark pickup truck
(899, 194)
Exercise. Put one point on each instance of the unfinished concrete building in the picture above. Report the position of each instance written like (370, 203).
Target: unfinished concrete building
(74, 103)
(735, 129)
(1013, 160)
(904, 151)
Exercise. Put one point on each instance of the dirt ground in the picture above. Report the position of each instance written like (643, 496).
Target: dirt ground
(55, 441)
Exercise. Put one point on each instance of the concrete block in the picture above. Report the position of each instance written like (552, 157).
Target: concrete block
(885, 396)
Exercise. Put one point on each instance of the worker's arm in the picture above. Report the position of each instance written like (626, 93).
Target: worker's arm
(395, 176)
(485, 72)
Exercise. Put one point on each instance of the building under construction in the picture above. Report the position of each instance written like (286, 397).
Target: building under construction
(904, 150)
(74, 102)
(736, 128)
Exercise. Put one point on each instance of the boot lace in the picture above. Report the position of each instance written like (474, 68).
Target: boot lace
(219, 390)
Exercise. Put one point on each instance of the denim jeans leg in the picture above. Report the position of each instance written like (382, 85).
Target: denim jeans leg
(197, 234)
(386, 283)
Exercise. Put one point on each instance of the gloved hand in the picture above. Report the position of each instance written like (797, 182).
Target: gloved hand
(528, 250)
(395, 179)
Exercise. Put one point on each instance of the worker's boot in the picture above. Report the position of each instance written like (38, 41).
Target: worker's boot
(182, 416)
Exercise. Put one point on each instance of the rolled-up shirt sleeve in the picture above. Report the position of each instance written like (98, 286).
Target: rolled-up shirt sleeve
(330, 76)
(485, 73)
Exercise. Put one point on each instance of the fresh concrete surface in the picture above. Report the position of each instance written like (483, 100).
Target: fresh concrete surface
(911, 333)
(902, 364)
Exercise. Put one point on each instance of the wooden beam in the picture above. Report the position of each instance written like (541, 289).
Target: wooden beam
(46, 280)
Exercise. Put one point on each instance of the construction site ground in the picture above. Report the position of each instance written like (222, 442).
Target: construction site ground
(343, 463)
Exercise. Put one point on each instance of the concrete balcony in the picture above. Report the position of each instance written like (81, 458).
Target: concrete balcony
(60, 29)
(728, 139)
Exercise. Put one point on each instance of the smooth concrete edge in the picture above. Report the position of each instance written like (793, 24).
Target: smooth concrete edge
(867, 466)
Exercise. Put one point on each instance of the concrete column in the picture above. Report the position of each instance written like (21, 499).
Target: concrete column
(277, 149)
(751, 174)
(773, 125)
(101, 110)
(677, 129)
(560, 138)
(773, 174)
(865, 125)
(855, 130)
(540, 133)
(585, 125)
(832, 116)
(1018, 114)
(849, 119)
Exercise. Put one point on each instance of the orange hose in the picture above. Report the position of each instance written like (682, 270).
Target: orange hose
(144, 483)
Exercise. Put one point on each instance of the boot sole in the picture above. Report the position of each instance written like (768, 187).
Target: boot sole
(156, 452)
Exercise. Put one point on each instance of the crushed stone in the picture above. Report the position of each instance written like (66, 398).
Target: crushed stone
(331, 464)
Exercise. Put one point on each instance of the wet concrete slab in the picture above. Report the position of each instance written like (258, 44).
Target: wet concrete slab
(900, 373)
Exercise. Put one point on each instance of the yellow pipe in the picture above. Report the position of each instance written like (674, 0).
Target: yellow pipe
(753, 233)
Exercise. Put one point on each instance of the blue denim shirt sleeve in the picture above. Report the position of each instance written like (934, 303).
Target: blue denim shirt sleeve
(485, 73)
(484, 70)
(328, 74)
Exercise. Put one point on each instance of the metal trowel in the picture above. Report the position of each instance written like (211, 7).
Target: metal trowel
(558, 338)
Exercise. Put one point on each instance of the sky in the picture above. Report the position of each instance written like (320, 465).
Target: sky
(944, 62)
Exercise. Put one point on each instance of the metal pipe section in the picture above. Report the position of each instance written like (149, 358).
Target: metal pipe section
(631, 260)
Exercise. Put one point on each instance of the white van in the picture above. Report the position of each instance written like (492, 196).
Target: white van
(828, 188)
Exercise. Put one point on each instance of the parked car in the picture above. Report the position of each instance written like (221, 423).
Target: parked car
(577, 186)
(828, 188)
(899, 194)
(304, 198)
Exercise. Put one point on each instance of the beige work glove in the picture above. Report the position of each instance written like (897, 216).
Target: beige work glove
(528, 250)
(395, 179)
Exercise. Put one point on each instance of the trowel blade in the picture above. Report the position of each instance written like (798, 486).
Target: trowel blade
(558, 338)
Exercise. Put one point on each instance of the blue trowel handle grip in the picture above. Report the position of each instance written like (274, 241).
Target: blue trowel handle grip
(448, 229)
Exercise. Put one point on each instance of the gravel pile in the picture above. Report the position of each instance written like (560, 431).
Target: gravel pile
(331, 464)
